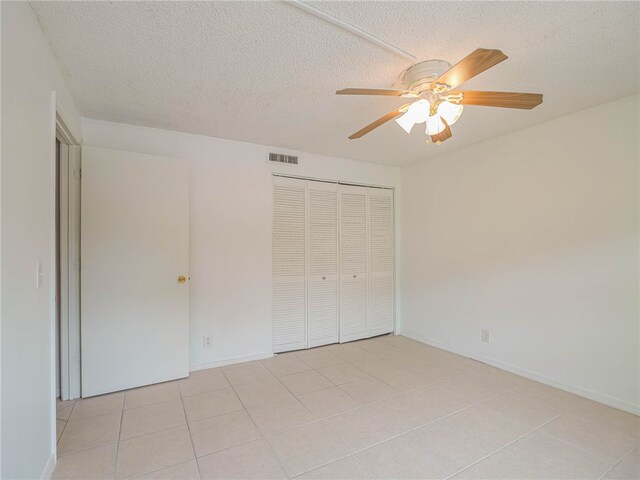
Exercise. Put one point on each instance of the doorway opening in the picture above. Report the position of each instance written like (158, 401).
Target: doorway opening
(67, 263)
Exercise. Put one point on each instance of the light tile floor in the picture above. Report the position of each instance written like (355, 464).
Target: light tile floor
(387, 407)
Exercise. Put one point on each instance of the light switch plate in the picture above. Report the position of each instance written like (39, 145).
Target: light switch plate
(39, 274)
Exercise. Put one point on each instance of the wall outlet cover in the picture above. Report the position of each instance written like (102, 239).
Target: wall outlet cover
(485, 336)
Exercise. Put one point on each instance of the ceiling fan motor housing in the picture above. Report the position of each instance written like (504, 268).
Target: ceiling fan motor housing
(421, 75)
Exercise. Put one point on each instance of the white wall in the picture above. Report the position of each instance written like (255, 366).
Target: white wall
(29, 76)
(533, 236)
(230, 230)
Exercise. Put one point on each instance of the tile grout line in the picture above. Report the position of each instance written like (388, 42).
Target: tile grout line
(334, 415)
(513, 441)
(245, 411)
(115, 460)
(139, 475)
(362, 464)
(89, 418)
(407, 431)
(616, 464)
(275, 455)
(316, 420)
(354, 453)
(582, 449)
(186, 419)
(262, 437)
(398, 394)
(121, 420)
(66, 422)
(428, 423)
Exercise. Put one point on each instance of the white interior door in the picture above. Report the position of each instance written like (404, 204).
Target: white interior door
(353, 263)
(134, 247)
(380, 299)
(322, 291)
(289, 264)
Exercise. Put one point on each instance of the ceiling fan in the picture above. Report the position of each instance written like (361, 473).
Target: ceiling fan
(437, 104)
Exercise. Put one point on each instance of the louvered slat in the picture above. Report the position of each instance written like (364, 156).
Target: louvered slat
(353, 232)
(323, 231)
(353, 263)
(323, 310)
(380, 299)
(380, 308)
(322, 292)
(289, 230)
(289, 265)
(381, 232)
(310, 307)
(353, 308)
(289, 330)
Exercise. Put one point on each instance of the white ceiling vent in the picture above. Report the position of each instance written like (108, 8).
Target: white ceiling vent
(282, 158)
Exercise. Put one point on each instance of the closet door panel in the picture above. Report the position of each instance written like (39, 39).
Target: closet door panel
(322, 291)
(323, 310)
(289, 265)
(381, 299)
(353, 308)
(353, 230)
(380, 308)
(353, 263)
(289, 311)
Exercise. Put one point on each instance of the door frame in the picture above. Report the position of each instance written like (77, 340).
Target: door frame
(396, 237)
(69, 301)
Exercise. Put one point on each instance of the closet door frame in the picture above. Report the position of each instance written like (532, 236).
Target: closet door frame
(340, 187)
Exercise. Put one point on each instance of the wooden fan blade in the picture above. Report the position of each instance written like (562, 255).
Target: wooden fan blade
(376, 91)
(443, 135)
(499, 99)
(473, 64)
(389, 116)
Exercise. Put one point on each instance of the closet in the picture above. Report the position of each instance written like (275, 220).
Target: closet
(332, 263)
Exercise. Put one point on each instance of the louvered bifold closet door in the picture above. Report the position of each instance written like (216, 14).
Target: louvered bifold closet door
(322, 289)
(353, 263)
(380, 300)
(289, 264)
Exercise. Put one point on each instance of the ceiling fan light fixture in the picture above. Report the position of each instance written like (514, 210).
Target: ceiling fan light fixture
(434, 125)
(438, 103)
(450, 112)
(418, 112)
(406, 122)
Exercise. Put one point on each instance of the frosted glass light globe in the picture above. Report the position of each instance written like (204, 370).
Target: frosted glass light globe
(417, 112)
(434, 125)
(450, 112)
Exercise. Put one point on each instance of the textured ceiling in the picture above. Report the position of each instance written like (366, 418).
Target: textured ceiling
(266, 72)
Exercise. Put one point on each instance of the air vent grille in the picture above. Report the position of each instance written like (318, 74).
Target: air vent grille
(282, 158)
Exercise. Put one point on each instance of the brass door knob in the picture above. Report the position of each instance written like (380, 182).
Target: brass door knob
(182, 279)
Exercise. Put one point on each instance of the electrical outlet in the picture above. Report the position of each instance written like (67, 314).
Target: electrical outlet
(207, 341)
(485, 336)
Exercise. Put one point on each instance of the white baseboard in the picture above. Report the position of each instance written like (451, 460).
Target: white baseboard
(229, 361)
(575, 389)
(47, 473)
